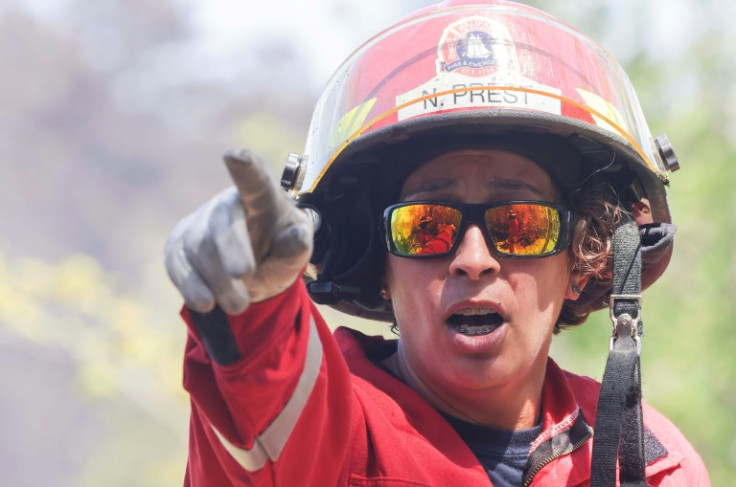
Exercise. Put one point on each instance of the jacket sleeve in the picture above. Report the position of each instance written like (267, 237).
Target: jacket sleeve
(280, 413)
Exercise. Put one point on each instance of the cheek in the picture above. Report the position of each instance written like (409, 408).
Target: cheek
(397, 270)
(411, 284)
(542, 286)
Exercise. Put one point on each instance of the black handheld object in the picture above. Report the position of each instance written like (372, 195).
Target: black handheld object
(216, 335)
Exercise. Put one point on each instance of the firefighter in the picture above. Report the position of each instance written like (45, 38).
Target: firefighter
(524, 142)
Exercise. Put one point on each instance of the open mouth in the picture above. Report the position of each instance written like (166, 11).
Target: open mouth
(475, 321)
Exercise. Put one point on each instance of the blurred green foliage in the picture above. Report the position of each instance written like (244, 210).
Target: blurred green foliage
(127, 367)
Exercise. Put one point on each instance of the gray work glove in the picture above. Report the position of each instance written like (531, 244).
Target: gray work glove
(245, 245)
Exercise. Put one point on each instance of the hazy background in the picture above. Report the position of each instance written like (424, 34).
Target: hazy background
(113, 117)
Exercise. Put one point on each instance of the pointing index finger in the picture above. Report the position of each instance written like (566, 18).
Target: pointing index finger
(258, 192)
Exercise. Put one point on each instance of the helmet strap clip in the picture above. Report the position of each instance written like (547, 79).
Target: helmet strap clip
(624, 324)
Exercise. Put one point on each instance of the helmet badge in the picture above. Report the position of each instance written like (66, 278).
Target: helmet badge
(473, 47)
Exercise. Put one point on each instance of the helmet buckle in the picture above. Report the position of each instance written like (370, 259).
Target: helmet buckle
(624, 325)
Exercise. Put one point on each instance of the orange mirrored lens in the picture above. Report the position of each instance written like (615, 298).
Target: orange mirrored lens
(424, 229)
(523, 229)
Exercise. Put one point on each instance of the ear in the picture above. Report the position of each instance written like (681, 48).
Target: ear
(577, 283)
(384, 292)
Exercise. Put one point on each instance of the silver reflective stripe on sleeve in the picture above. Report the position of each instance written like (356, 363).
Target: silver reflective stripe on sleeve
(271, 442)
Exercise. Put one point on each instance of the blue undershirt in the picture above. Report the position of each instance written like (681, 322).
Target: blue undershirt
(502, 453)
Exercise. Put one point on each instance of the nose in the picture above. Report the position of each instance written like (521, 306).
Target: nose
(473, 258)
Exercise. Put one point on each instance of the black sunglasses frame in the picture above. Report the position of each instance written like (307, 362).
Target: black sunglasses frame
(475, 213)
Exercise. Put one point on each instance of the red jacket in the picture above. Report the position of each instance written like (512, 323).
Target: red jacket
(304, 408)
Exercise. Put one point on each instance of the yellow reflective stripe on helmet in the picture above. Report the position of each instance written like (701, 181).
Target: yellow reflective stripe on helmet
(603, 106)
(350, 122)
(270, 444)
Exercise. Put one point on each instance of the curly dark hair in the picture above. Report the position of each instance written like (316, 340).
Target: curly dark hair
(591, 248)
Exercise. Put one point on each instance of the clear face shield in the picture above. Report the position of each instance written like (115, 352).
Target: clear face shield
(486, 64)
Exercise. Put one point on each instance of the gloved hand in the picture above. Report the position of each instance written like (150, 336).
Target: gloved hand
(245, 245)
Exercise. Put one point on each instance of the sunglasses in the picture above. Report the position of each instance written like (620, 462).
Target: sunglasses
(521, 229)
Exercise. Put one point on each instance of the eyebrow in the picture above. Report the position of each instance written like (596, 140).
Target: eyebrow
(497, 184)
(515, 184)
(429, 187)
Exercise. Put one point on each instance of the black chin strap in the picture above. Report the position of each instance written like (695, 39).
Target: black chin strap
(619, 432)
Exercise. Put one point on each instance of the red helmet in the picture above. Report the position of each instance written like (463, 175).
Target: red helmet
(459, 72)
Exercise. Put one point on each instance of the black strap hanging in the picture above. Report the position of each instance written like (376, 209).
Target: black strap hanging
(619, 431)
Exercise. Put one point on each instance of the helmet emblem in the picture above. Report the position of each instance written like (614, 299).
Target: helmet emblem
(477, 67)
(474, 47)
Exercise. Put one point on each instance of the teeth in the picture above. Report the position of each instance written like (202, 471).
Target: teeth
(474, 330)
(474, 311)
(475, 321)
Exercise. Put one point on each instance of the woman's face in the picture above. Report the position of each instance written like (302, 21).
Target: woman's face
(515, 301)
